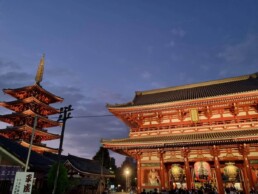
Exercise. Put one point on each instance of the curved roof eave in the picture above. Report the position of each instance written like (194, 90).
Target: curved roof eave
(57, 98)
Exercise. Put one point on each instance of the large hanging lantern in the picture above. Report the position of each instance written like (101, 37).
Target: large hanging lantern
(177, 172)
(202, 171)
(231, 171)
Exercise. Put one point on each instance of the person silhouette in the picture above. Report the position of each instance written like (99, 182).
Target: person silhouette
(143, 191)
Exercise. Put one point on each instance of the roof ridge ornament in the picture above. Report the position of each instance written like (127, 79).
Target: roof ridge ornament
(40, 71)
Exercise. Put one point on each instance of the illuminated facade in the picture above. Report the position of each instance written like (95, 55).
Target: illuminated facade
(31, 101)
(195, 135)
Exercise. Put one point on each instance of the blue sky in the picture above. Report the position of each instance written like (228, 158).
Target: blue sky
(100, 52)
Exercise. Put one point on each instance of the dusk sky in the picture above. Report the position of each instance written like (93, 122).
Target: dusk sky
(100, 52)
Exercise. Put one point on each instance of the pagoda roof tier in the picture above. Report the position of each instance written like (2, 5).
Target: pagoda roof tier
(18, 105)
(41, 148)
(229, 86)
(15, 117)
(26, 128)
(33, 90)
(184, 140)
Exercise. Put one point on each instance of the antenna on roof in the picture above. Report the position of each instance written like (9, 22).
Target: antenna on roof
(39, 75)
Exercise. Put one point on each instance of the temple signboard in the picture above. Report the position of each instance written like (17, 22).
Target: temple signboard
(8, 172)
(23, 183)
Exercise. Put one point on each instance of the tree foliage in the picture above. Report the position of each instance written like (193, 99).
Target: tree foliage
(62, 182)
(109, 163)
(104, 159)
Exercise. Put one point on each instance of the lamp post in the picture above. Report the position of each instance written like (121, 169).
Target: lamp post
(127, 172)
(31, 142)
(65, 113)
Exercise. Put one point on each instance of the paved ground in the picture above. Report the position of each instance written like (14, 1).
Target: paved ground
(120, 193)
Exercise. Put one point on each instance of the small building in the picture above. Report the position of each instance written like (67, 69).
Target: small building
(92, 176)
(200, 135)
(13, 158)
(88, 175)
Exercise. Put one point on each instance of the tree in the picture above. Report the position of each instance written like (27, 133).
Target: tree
(129, 163)
(107, 162)
(113, 164)
(62, 181)
(103, 157)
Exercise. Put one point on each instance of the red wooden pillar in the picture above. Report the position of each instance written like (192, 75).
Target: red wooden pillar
(244, 150)
(162, 170)
(245, 181)
(139, 174)
(185, 154)
(166, 178)
(215, 152)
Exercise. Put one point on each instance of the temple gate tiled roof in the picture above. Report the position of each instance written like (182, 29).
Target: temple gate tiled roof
(197, 139)
(195, 91)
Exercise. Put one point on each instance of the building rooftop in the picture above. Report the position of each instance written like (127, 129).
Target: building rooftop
(37, 161)
(215, 88)
(83, 165)
(180, 140)
(87, 165)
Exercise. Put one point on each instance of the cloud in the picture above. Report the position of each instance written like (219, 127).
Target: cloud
(7, 66)
(179, 32)
(146, 75)
(87, 127)
(83, 132)
(171, 44)
(205, 68)
(176, 33)
(242, 53)
(239, 58)
(150, 49)
(11, 76)
(157, 85)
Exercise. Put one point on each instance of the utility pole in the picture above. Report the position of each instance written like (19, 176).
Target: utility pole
(65, 113)
(101, 171)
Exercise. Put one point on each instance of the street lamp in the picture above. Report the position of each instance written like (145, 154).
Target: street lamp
(127, 172)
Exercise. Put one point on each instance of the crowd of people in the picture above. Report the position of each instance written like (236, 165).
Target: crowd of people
(182, 191)
(229, 190)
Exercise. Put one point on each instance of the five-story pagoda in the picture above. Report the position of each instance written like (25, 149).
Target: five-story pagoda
(31, 102)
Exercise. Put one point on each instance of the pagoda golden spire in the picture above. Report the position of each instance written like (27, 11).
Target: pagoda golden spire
(40, 71)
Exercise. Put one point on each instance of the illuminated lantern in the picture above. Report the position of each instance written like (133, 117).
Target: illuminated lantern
(176, 172)
(202, 171)
(231, 171)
